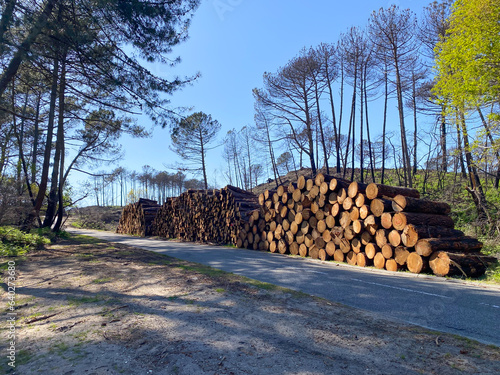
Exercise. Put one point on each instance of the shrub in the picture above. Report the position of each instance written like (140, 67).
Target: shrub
(14, 242)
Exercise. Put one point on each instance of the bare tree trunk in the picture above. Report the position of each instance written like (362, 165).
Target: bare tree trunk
(372, 163)
(414, 98)
(48, 146)
(54, 182)
(320, 123)
(476, 189)
(384, 125)
(490, 137)
(361, 146)
(404, 143)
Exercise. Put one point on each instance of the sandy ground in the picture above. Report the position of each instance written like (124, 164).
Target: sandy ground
(101, 308)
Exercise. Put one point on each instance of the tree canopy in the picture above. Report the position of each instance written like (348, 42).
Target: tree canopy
(468, 57)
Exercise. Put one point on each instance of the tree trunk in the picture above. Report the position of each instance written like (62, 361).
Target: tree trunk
(48, 146)
(25, 46)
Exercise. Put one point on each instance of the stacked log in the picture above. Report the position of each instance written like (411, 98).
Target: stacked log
(210, 216)
(137, 218)
(387, 227)
(324, 218)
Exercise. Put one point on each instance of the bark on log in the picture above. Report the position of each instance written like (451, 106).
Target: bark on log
(377, 191)
(401, 219)
(445, 263)
(416, 263)
(401, 203)
(427, 246)
(412, 233)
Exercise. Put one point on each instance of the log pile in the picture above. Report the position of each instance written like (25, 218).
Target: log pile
(325, 218)
(137, 218)
(362, 224)
(210, 216)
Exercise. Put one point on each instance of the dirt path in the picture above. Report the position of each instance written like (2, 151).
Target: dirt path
(100, 308)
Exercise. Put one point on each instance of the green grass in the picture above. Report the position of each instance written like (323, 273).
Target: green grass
(86, 240)
(206, 270)
(14, 242)
(102, 281)
(77, 301)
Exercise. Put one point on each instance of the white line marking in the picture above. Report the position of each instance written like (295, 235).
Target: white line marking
(403, 289)
(487, 304)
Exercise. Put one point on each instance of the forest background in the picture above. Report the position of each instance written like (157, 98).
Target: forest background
(407, 97)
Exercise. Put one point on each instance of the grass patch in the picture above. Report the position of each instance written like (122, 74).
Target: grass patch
(492, 274)
(77, 301)
(59, 348)
(206, 270)
(86, 240)
(102, 281)
(14, 242)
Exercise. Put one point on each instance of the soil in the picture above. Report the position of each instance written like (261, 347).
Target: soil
(89, 307)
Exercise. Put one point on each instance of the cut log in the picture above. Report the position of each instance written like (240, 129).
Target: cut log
(364, 211)
(303, 250)
(360, 200)
(351, 258)
(391, 265)
(361, 260)
(379, 261)
(323, 255)
(345, 245)
(314, 252)
(401, 255)
(354, 213)
(330, 221)
(412, 233)
(408, 204)
(387, 251)
(379, 206)
(339, 256)
(427, 246)
(416, 263)
(355, 188)
(356, 245)
(294, 248)
(386, 220)
(345, 219)
(401, 219)
(381, 237)
(330, 249)
(371, 249)
(377, 191)
(444, 263)
(394, 238)
(327, 236)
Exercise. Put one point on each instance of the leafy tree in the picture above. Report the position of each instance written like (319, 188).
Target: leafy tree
(191, 138)
(468, 59)
(468, 71)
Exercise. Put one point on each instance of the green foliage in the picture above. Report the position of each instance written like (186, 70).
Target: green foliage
(467, 58)
(14, 242)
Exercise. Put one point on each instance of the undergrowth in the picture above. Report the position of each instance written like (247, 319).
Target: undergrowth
(14, 242)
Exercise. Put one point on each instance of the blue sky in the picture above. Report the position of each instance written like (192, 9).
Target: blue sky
(232, 43)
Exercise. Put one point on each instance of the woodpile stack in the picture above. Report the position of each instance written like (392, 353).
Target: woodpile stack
(366, 225)
(212, 216)
(136, 218)
(325, 218)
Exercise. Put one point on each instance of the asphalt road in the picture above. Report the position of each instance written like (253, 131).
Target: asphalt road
(467, 309)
